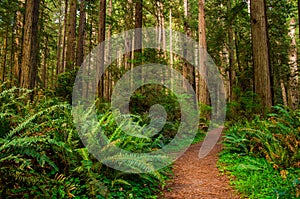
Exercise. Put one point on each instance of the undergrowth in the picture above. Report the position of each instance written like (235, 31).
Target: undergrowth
(263, 155)
(41, 155)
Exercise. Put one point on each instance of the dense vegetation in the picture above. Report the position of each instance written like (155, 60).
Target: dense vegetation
(43, 43)
(263, 155)
(42, 155)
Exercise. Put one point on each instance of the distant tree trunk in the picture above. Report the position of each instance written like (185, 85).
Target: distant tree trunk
(138, 35)
(299, 17)
(261, 62)
(81, 33)
(293, 88)
(283, 92)
(12, 51)
(161, 25)
(63, 59)
(186, 30)
(203, 90)
(44, 65)
(71, 36)
(102, 24)
(128, 42)
(224, 54)
(18, 48)
(108, 83)
(188, 70)
(171, 48)
(138, 25)
(237, 50)
(59, 44)
(232, 70)
(5, 49)
(30, 45)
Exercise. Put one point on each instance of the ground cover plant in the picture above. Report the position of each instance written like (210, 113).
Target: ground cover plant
(263, 156)
(42, 155)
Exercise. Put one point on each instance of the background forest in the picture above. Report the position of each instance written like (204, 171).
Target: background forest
(43, 43)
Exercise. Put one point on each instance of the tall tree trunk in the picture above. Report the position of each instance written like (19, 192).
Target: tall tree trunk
(59, 44)
(203, 90)
(232, 70)
(138, 25)
(18, 46)
(5, 48)
(108, 83)
(30, 45)
(138, 35)
(283, 92)
(188, 70)
(161, 25)
(102, 24)
(299, 17)
(224, 54)
(171, 48)
(71, 36)
(63, 59)
(17, 51)
(12, 51)
(293, 88)
(81, 33)
(260, 48)
(129, 43)
(44, 65)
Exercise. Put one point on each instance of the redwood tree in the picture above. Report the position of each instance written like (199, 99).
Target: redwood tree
(30, 45)
(260, 49)
(71, 35)
(202, 88)
(101, 35)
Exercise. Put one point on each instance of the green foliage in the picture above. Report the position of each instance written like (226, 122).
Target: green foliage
(43, 157)
(263, 155)
(256, 177)
(65, 84)
(245, 105)
(276, 138)
(149, 95)
(29, 152)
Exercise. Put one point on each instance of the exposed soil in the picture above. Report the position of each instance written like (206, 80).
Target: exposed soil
(198, 178)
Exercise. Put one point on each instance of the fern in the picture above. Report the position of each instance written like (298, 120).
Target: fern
(274, 138)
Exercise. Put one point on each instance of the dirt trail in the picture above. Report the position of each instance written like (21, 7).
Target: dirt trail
(198, 178)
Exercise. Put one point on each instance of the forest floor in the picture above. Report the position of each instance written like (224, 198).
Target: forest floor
(198, 178)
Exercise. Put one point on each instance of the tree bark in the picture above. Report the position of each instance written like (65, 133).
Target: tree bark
(188, 70)
(30, 45)
(299, 16)
(18, 48)
(129, 43)
(283, 92)
(203, 90)
(71, 36)
(44, 66)
(5, 49)
(59, 44)
(260, 48)
(293, 88)
(102, 24)
(63, 59)
(171, 48)
(232, 62)
(81, 34)
(108, 83)
(138, 25)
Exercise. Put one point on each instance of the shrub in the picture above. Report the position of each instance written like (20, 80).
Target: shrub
(277, 138)
(43, 157)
